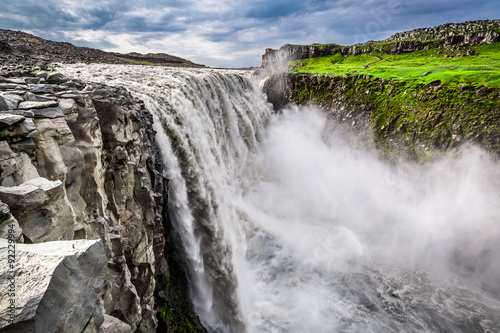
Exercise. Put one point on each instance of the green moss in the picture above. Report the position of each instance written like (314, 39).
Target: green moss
(413, 114)
(451, 67)
(4, 218)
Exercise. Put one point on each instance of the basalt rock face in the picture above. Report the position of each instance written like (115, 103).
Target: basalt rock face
(79, 161)
(435, 119)
(452, 35)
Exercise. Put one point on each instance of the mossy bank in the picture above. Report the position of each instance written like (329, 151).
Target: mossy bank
(416, 102)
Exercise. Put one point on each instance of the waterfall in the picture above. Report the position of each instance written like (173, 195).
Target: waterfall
(288, 225)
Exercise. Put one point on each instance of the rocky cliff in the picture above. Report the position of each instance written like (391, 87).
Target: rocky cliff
(79, 162)
(452, 35)
(410, 120)
(407, 117)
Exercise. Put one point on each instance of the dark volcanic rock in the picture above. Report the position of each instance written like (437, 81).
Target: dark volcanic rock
(80, 161)
(22, 49)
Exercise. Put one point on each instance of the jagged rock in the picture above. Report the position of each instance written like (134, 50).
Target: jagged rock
(11, 100)
(41, 209)
(36, 105)
(114, 325)
(57, 285)
(51, 112)
(8, 119)
(88, 169)
(9, 227)
(15, 168)
(3, 104)
(20, 130)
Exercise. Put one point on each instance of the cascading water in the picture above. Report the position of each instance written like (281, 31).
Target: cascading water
(287, 227)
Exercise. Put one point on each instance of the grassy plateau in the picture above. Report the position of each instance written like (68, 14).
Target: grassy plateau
(451, 67)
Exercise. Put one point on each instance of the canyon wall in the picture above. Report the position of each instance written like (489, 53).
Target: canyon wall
(411, 120)
(78, 163)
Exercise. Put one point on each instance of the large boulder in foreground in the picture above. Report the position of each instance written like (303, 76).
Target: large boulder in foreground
(57, 286)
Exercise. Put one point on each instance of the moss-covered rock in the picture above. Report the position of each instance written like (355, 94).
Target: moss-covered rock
(413, 119)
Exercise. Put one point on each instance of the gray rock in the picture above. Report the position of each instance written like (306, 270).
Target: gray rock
(57, 78)
(41, 209)
(3, 104)
(16, 80)
(12, 100)
(67, 105)
(8, 86)
(9, 119)
(21, 130)
(15, 168)
(30, 97)
(57, 285)
(114, 325)
(32, 80)
(9, 227)
(51, 112)
(43, 75)
(37, 105)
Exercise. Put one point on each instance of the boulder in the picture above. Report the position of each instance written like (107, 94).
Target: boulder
(57, 78)
(57, 286)
(15, 168)
(12, 100)
(114, 325)
(8, 119)
(41, 209)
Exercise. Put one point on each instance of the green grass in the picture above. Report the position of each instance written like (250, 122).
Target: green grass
(142, 62)
(482, 68)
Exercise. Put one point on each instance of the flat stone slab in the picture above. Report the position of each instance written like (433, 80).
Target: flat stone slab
(51, 112)
(55, 285)
(9, 119)
(33, 191)
(37, 105)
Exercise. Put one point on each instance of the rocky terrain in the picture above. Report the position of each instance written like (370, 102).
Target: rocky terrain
(18, 47)
(81, 185)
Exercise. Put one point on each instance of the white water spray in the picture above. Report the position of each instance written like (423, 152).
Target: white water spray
(286, 227)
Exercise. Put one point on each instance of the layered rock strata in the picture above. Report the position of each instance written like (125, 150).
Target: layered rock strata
(78, 162)
(450, 36)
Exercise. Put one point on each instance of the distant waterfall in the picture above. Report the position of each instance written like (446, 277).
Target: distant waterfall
(287, 225)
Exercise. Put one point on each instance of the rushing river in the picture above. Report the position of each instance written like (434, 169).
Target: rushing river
(288, 225)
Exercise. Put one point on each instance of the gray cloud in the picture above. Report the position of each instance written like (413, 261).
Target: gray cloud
(229, 33)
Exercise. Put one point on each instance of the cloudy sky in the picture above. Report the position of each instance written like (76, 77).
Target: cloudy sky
(229, 33)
